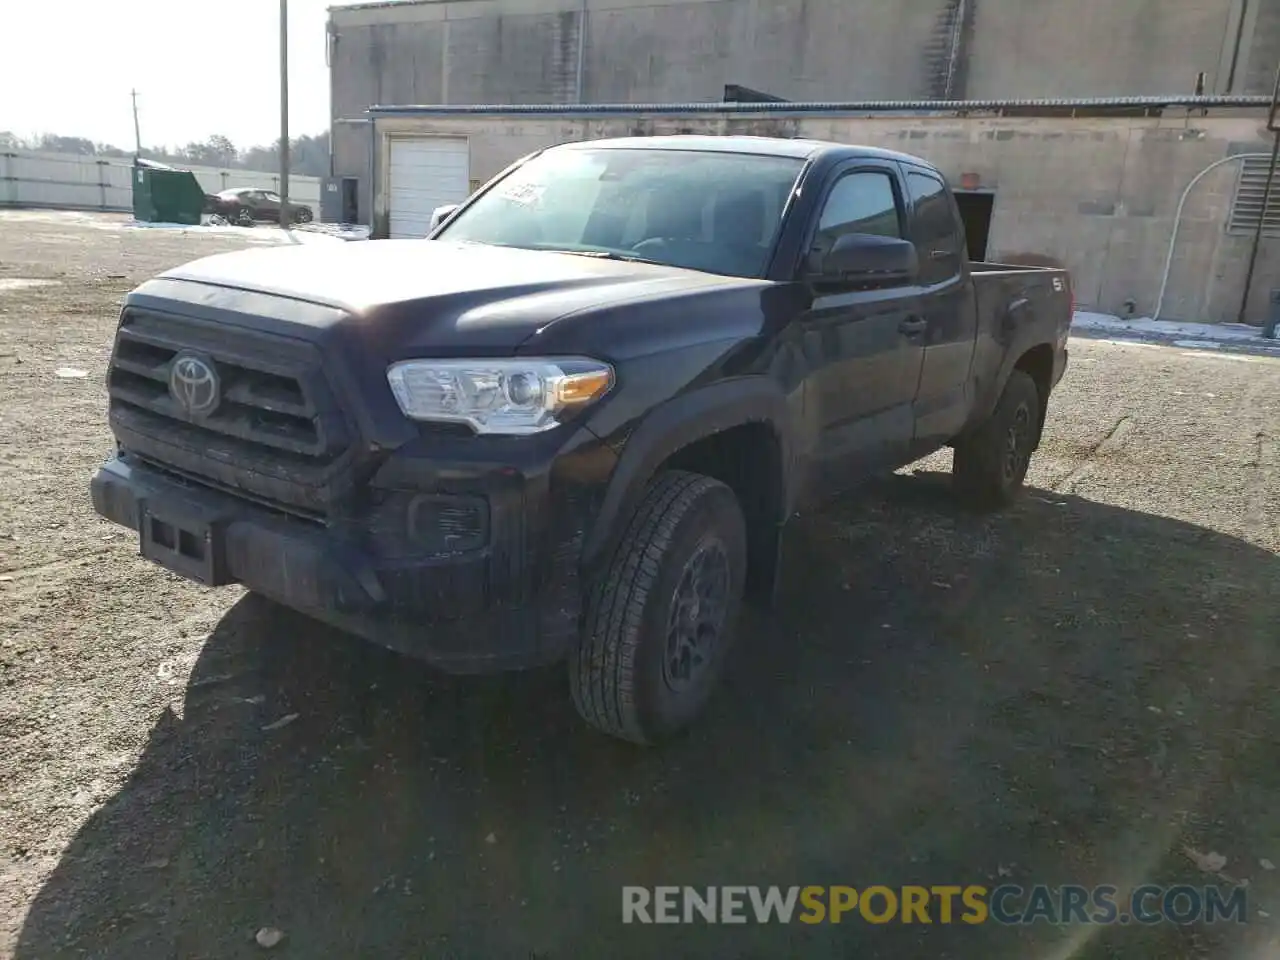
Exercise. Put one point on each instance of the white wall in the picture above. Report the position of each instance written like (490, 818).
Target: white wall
(70, 181)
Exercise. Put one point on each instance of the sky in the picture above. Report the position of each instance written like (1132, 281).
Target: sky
(200, 67)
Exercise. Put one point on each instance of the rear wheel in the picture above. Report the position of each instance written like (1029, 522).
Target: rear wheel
(304, 216)
(991, 464)
(661, 617)
(243, 216)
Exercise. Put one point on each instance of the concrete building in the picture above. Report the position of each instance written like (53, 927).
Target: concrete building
(659, 51)
(1098, 191)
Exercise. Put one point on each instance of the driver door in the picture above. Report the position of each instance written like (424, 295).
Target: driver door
(864, 344)
(266, 205)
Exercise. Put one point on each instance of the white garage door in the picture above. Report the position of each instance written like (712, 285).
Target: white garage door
(426, 172)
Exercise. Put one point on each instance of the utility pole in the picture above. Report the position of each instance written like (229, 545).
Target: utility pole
(137, 131)
(284, 115)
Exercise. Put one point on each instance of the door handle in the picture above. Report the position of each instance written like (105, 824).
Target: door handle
(913, 326)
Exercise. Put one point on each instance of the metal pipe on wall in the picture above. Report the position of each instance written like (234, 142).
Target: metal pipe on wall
(1273, 124)
(954, 50)
(1177, 221)
(582, 51)
(1257, 235)
(373, 179)
(1235, 48)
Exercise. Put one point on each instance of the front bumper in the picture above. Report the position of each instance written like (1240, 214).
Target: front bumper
(464, 613)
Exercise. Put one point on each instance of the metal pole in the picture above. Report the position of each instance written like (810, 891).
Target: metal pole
(137, 130)
(582, 51)
(284, 115)
(1273, 124)
(1257, 234)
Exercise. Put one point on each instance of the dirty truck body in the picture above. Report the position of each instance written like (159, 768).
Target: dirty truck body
(573, 424)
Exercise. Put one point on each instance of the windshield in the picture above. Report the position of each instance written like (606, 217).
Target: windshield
(716, 212)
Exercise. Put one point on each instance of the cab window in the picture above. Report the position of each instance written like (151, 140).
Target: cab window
(937, 228)
(861, 202)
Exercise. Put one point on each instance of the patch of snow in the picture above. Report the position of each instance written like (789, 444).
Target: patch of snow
(328, 233)
(343, 231)
(1218, 355)
(71, 373)
(259, 234)
(49, 216)
(211, 226)
(295, 236)
(9, 284)
(1085, 320)
(156, 225)
(1218, 337)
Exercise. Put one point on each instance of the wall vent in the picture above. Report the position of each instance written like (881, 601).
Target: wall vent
(1246, 205)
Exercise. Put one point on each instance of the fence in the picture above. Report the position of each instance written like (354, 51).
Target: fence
(74, 182)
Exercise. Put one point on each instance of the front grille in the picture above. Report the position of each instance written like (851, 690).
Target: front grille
(277, 433)
(257, 406)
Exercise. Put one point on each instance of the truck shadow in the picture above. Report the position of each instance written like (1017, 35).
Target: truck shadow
(1067, 692)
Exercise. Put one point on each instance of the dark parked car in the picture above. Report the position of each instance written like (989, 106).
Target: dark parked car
(247, 205)
(573, 425)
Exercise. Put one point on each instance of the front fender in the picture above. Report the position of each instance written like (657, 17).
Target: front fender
(676, 424)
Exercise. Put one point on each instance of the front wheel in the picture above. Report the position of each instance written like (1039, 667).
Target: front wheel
(660, 619)
(991, 464)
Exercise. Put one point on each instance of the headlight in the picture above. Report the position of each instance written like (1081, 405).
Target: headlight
(518, 396)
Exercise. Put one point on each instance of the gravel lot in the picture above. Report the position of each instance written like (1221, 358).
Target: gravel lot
(1074, 691)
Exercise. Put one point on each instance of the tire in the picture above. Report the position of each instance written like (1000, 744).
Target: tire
(304, 216)
(625, 678)
(243, 217)
(991, 464)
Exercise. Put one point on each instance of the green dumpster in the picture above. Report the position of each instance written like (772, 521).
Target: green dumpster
(163, 194)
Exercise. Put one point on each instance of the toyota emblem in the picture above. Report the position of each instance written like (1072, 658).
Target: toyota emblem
(193, 383)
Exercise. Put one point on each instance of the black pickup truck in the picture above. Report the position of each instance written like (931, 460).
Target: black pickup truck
(571, 425)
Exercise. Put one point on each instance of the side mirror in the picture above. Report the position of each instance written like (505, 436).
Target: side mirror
(866, 258)
(440, 214)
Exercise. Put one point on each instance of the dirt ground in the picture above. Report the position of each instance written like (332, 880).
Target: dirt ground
(1073, 691)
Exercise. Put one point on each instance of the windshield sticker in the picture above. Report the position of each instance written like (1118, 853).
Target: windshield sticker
(528, 194)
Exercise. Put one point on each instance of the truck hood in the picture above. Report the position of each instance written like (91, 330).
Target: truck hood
(409, 295)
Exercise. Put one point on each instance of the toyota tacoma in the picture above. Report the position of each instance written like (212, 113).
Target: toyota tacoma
(572, 423)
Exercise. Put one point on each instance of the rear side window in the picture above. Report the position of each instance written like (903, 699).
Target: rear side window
(938, 234)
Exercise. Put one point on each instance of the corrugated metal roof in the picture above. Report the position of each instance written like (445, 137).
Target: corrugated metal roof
(375, 4)
(852, 106)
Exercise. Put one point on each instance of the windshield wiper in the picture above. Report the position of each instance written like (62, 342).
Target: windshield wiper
(607, 255)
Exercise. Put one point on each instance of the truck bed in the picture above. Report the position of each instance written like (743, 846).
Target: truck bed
(1001, 286)
(1014, 301)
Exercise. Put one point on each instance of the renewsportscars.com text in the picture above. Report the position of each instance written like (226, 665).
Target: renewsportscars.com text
(973, 904)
